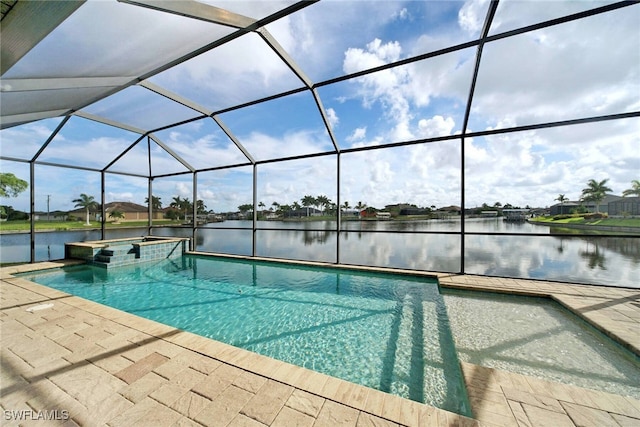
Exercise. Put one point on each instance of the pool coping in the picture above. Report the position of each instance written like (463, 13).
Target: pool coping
(490, 390)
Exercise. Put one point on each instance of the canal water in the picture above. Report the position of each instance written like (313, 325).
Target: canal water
(430, 245)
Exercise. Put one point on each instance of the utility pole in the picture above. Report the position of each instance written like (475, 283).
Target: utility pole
(48, 198)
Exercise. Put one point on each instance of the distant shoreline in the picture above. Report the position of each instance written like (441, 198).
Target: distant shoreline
(592, 227)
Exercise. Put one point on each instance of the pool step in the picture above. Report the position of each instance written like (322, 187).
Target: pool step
(116, 255)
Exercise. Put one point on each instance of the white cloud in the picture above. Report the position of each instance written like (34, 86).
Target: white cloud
(402, 14)
(375, 54)
(333, 118)
(436, 126)
(358, 134)
(561, 72)
(471, 16)
(263, 146)
(125, 196)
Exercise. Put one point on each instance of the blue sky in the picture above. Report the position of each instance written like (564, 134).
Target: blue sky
(562, 72)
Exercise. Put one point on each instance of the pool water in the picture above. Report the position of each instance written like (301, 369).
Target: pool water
(539, 338)
(383, 331)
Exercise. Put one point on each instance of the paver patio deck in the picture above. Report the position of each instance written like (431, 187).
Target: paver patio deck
(87, 364)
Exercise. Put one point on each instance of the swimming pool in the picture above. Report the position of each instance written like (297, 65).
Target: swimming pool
(384, 331)
(399, 334)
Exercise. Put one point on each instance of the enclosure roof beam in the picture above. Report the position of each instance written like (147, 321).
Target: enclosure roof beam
(196, 10)
(109, 122)
(325, 119)
(50, 138)
(125, 151)
(174, 97)
(284, 56)
(233, 138)
(27, 85)
(18, 119)
(172, 153)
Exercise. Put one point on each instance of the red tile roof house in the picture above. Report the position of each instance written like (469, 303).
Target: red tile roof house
(131, 211)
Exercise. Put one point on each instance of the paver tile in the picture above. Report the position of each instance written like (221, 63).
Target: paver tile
(358, 398)
(227, 372)
(334, 414)
(87, 383)
(543, 402)
(368, 420)
(518, 412)
(211, 387)
(109, 408)
(141, 368)
(410, 413)
(168, 393)
(268, 401)
(134, 413)
(250, 382)
(625, 421)
(158, 416)
(584, 416)
(190, 404)
(391, 407)
(143, 387)
(111, 363)
(225, 408)
(539, 417)
(375, 402)
(243, 421)
(305, 402)
(288, 417)
(186, 422)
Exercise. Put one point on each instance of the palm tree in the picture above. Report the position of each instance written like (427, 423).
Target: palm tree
(86, 202)
(561, 198)
(634, 190)
(116, 215)
(182, 205)
(308, 201)
(156, 204)
(346, 206)
(201, 208)
(595, 192)
(323, 201)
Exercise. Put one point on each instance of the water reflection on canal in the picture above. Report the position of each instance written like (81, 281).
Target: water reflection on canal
(420, 245)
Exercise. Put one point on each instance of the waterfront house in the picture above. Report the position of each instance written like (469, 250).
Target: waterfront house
(624, 206)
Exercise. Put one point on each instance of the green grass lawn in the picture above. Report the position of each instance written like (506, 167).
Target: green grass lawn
(610, 222)
(75, 225)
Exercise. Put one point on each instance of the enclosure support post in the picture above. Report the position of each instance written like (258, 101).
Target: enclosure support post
(104, 211)
(255, 211)
(462, 207)
(194, 212)
(339, 211)
(32, 209)
(150, 205)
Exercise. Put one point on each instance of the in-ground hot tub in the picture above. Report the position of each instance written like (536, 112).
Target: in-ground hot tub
(119, 252)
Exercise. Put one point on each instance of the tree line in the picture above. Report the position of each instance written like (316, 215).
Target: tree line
(325, 205)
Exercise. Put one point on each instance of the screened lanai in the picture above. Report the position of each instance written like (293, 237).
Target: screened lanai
(446, 109)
